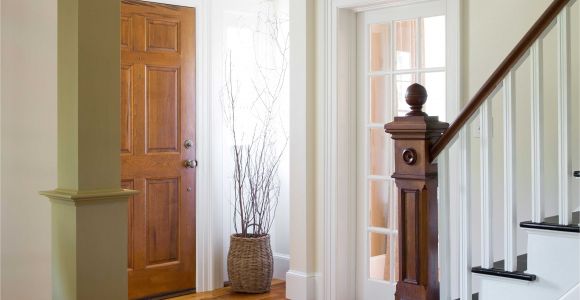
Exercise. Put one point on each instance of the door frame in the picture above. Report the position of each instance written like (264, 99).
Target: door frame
(208, 258)
(339, 119)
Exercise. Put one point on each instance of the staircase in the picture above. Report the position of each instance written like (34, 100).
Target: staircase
(552, 270)
(548, 267)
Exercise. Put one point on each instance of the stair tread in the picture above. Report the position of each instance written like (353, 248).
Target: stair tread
(498, 269)
(552, 223)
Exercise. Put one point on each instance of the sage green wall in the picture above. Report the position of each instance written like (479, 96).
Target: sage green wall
(28, 133)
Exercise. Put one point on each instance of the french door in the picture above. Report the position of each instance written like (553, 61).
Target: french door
(397, 46)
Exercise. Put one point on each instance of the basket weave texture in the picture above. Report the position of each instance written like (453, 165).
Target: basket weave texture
(250, 264)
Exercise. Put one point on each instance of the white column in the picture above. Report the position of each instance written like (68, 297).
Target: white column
(465, 286)
(444, 227)
(537, 136)
(486, 185)
(564, 159)
(301, 280)
(510, 215)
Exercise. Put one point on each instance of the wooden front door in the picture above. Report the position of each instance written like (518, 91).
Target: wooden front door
(157, 138)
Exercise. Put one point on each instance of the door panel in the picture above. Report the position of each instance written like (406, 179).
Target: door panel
(157, 115)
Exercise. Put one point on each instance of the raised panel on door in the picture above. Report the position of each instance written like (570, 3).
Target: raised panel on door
(162, 35)
(126, 32)
(157, 115)
(162, 221)
(162, 86)
(126, 108)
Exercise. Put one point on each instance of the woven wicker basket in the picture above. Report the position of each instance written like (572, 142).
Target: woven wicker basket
(250, 264)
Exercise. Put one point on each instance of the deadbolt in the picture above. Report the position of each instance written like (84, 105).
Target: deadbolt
(187, 144)
(190, 164)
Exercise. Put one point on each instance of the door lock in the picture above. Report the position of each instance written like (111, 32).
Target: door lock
(187, 144)
(577, 174)
(190, 164)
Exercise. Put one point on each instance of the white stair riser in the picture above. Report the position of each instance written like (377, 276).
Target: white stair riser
(553, 257)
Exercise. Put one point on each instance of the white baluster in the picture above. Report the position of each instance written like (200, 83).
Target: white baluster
(465, 216)
(564, 160)
(537, 136)
(510, 216)
(486, 185)
(444, 228)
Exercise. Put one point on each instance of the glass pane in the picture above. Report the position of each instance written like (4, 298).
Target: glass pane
(380, 257)
(379, 195)
(405, 44)
(435, 85)
(380, 50)
(380, 94)
(433, 42)
(378, 152)
(402, 82)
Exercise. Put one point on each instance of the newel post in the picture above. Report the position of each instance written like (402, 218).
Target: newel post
(416, 179)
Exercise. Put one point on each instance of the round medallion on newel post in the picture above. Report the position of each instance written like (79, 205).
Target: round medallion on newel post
(416, 179)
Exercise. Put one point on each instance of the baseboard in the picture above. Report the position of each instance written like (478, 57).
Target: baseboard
(281, 266)
(300, 285)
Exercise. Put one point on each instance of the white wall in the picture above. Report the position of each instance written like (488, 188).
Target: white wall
(28, 138)
(229, 14)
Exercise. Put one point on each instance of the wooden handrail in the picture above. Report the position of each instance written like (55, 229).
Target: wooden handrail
(498, 75)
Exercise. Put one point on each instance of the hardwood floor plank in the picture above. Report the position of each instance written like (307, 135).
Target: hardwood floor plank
(278, 292)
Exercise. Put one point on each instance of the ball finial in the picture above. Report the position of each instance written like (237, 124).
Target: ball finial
(416, 97)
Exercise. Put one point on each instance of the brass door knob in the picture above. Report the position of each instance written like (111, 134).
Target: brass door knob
(190, 164)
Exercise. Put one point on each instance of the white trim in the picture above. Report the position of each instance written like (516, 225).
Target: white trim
(564, 161)
(486, 185)
(444, 227)
(510, 209)
(465, 282)
(300, 285)
(281, 265)
(537, 131)
(209, 275)
(573, 293)
(335, 144)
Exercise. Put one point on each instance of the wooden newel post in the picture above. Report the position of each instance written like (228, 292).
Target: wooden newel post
(416, 179)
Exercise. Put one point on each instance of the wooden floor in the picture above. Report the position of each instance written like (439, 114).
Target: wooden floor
(278, 292)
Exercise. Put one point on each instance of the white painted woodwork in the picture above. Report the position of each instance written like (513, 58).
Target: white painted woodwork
(537, 163)
(486, 185)
(444, 227)
(553, 258)
(564, 159)
(510, 214)
(465, 285)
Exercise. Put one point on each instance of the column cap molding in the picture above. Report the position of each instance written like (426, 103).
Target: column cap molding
(79, 197)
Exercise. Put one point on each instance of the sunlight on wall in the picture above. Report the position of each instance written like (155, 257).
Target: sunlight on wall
(255, 53)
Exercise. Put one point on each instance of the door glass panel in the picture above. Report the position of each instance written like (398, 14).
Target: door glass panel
(435, 84)
(402, 82)
(379, 194)
(405, 44)
(433, 42)
(380, 49)
(379, 257)
(378, 152)
(380, 93)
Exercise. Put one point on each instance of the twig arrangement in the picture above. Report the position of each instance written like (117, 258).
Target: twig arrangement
(257, 157)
